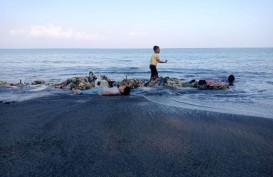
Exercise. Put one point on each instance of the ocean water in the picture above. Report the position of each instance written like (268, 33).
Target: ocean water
(252, 93)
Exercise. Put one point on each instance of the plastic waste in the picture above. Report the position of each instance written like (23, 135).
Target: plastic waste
(101, 83)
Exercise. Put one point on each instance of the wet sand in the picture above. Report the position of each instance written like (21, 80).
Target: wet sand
(129, 136)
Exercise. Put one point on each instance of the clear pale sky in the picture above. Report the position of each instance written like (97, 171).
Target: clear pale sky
(135, 24)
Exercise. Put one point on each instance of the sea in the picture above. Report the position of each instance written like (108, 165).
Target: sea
(251, 95)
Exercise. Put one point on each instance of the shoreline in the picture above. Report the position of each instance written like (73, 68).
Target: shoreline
(68, 135)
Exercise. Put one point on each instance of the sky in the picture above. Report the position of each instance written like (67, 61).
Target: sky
(136, 24)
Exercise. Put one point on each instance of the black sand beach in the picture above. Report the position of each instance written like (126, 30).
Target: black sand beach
(129, 136)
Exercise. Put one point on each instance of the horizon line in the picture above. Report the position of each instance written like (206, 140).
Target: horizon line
(138, 48)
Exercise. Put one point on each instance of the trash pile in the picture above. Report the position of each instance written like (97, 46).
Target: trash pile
(211, 85)
(81, 83)
(91, 81)
(162, 81)
(20, 84)
(172, 82)
(133, 83)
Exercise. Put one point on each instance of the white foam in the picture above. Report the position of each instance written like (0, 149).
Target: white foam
(248, 109)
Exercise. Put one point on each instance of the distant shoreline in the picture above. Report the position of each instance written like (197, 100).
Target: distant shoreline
(133, 48)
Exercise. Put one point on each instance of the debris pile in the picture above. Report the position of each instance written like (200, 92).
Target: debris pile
(92, 81)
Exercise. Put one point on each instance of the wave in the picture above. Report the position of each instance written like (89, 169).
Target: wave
(258, 110)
